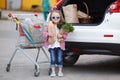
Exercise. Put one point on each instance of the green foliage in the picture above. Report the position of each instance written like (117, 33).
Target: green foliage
(67, 26)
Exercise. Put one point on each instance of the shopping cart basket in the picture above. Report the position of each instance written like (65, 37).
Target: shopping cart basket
(26, 39)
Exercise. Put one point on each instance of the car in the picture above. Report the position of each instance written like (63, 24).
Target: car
(101, 36)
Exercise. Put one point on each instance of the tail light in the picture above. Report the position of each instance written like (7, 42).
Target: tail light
(115, 7)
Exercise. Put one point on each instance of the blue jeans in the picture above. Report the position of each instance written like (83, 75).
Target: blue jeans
(56, 57)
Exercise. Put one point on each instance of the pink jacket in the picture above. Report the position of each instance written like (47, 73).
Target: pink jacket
(46, 44)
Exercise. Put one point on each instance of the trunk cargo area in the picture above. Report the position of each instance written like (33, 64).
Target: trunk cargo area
(97, 8)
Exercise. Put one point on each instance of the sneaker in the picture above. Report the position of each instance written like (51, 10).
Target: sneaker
(60, 74)
(52, 74)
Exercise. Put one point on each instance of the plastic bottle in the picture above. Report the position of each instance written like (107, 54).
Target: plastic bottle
(36, 34)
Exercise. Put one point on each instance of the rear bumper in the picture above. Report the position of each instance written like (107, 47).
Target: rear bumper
(93, 48)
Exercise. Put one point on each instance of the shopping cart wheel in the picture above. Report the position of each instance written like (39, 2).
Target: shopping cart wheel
(8, 67)
(37, 73)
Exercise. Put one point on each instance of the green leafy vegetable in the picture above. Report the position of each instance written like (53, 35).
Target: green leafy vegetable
(68, 27)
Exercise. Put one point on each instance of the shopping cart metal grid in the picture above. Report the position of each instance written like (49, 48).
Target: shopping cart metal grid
(18, 20)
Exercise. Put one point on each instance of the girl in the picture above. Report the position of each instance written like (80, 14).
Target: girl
(54, 45)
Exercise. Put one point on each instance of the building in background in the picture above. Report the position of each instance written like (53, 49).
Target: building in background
(13, 4)
(27, 5)
(3, 4)
(34, 5)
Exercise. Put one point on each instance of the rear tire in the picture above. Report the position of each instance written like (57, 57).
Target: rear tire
(70, 58)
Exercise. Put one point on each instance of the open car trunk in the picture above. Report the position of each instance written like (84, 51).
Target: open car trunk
(97, 8)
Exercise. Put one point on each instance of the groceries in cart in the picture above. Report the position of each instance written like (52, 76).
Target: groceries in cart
(30, 30)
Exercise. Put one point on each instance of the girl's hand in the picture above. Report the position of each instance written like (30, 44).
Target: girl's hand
(59, 36)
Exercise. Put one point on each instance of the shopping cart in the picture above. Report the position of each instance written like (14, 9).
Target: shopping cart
(27, 40)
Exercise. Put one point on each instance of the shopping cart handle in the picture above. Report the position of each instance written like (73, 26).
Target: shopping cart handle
(10, 15)
(36, 14)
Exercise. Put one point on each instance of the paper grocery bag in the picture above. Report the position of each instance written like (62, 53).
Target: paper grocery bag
(70, 13)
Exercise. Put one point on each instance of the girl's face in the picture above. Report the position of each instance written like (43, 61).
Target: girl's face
(55, 17)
